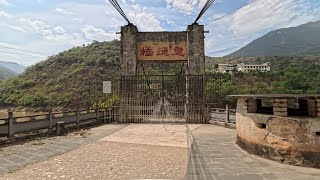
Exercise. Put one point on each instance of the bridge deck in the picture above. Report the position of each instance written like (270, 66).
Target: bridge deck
(162, 151)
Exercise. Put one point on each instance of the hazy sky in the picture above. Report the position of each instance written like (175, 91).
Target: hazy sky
(51, 26)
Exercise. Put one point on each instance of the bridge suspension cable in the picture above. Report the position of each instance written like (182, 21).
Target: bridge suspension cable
(229, 13)
(116, 5)
(204, 9)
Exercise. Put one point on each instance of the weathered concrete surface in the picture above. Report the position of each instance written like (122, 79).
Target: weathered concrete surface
(19, 154)
(110, 160)
(162, 36)
(214, 155)
(123, 155)
(196, 62)
(286, 139)
(128, 56)
(151, 134)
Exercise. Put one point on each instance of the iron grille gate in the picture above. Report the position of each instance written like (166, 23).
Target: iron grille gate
(157, 98)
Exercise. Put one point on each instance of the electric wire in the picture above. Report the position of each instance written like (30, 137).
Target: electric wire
(17, 53)
(231, 12)
(36, 52)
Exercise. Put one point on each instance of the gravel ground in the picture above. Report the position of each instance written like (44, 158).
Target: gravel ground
(136, 152)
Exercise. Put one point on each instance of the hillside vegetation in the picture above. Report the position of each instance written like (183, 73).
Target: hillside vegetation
(299, 77)
(294, 41)
(62, 80)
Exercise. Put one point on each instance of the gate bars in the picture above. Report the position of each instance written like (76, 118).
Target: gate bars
(156, 98)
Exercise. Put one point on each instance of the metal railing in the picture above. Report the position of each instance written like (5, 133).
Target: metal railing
(48, 120)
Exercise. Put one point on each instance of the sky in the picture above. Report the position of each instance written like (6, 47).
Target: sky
(47, 27)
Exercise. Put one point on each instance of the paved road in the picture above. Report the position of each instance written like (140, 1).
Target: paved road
(137, 151)
(147, 151)
(214, 155)
(18, 155)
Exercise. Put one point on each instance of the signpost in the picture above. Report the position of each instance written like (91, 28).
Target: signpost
(106, 87)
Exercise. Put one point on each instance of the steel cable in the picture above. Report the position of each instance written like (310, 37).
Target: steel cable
(116, 5)
(204, 9)
(118, 8)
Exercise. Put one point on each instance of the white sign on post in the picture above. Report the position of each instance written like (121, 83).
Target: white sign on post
(106, 87)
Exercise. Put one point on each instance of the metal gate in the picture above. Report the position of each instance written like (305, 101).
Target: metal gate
(154, 98)
(161, 99)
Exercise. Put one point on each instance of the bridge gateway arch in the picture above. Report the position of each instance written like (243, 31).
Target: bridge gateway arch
(162, 98)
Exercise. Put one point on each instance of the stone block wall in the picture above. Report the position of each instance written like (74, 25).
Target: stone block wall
(318, 107)
(312, 107)
(280, 107)
(251, 105)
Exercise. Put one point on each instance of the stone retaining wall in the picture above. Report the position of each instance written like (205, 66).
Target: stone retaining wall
(291, 140)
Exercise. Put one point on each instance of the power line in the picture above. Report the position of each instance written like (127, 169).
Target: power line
(36, 52)
(232, 12)
(17, 53)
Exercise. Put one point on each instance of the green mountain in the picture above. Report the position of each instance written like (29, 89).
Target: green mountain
(62, 80)
(294, 41)
(15, 67)
(6, 73)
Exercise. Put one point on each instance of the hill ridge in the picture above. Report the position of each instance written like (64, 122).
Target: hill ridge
(292, 41)
(15, 67)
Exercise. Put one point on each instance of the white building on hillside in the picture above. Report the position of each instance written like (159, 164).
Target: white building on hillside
(265, 67)
(230, 68)
(226, 68)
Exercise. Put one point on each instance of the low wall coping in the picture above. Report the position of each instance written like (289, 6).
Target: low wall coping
(280, 96)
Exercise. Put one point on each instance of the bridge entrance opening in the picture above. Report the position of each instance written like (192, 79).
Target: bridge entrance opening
(169, 97)
(161, 99)
(166, 98)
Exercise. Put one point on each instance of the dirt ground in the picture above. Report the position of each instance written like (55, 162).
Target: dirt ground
(151, 134)
(139, 151)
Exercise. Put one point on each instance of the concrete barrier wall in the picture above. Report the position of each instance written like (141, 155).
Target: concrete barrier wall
(20, 127)
(4, 130)
(218, 114)
(292, 140)
(30, 123)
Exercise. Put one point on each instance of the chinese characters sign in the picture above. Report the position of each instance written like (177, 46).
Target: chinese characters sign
(162, 51)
